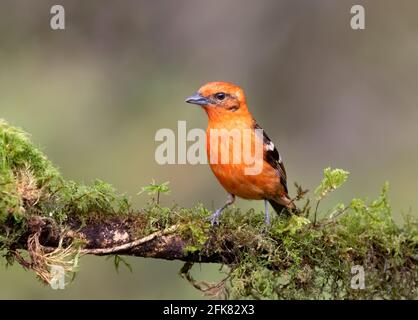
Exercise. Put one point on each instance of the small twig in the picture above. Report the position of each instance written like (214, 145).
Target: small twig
(306, 208)
(56, 191)
(125, 246)
(130, 245)
(334, 218)
(21, 260)
(316, 211)
(213, 290)
(80, 197)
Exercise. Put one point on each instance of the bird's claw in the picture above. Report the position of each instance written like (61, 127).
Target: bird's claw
(214, 221)
(267, 221)
(214, 218)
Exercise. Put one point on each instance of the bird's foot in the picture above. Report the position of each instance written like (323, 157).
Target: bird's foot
(214, 218)
(267, 220)
(266, 213)
(266, 227)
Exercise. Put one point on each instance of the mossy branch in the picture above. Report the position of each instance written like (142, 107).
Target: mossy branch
(117, 236)
(47, 221)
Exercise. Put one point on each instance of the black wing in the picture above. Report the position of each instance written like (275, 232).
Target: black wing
(272, 157)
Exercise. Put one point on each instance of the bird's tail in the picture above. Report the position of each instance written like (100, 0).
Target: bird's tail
(280, 208)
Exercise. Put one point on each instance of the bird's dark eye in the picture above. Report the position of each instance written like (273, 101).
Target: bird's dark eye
(220, 95)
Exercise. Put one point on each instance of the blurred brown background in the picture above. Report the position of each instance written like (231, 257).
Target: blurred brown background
(93, 96)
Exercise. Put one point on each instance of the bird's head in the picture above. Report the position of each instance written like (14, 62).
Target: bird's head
(220, 99)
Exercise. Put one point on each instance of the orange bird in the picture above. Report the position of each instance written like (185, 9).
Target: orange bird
(226, 107)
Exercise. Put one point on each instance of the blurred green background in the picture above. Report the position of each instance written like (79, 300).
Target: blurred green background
(94, 94)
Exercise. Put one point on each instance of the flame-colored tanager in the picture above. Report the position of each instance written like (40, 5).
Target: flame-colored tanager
(226, 107)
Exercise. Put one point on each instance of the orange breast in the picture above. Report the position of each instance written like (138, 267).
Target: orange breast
(232, 175)
(256, 187)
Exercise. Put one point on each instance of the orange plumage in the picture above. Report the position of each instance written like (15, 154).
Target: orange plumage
(227, 110)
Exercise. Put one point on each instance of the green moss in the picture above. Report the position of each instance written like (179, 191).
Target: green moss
(197, 234)
(31, 186)
(298, 259)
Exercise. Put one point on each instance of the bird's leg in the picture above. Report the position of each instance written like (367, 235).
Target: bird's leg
(266, 212)
(214, 218)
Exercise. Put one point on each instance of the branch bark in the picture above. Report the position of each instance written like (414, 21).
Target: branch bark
(115, 236)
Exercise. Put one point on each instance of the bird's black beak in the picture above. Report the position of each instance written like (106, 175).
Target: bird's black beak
(198, 99)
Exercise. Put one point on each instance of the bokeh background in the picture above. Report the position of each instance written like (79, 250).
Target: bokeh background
(93, 96)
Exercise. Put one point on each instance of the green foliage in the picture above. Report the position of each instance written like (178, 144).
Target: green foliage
(82, 201)
(198, 234)
(333, 179)
(296, 257)
(293, 225)
(31, 186)
(24, 171)
(155, 189)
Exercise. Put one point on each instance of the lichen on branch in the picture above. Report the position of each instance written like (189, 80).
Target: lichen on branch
(46, 220)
